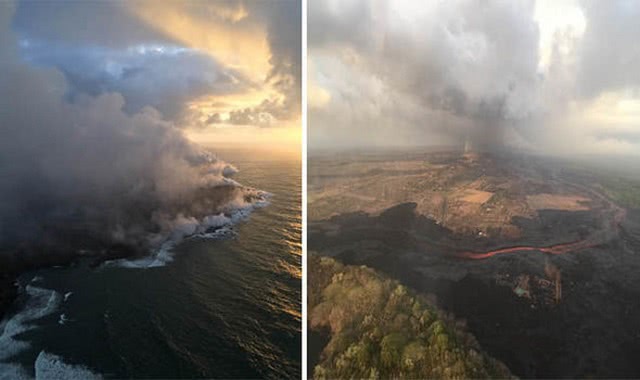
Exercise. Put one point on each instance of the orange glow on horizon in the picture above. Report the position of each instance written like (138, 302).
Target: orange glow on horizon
(285, 140)
(229, 36)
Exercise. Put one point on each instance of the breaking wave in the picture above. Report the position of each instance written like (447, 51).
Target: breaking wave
(49, 367)
(39, 303)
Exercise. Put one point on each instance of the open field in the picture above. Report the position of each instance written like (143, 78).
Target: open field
(466, 196)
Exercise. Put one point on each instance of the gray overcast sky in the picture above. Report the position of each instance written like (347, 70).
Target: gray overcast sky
(557, 76)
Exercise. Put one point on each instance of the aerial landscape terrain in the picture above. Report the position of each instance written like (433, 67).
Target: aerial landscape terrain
(478, 160)
(534, 257)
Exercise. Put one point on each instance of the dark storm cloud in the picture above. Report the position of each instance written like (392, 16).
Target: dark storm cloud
(400, 72)
(455, 57)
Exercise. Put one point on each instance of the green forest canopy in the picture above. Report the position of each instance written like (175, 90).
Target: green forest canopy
(380, 329)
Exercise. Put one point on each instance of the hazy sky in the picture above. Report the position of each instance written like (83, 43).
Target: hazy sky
(558, 76)
(226, 72)
(100, 102)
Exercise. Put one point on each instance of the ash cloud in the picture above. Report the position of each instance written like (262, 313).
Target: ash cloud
(86, 173)
(449, 58)
(406, 73)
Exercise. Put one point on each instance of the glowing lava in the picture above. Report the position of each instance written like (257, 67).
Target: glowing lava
(557, 249)
(595, 239)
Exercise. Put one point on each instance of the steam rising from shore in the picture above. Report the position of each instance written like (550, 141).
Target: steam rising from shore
(86, 170)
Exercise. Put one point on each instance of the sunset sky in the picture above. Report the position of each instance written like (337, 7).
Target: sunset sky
(227, 73)
(557, 77)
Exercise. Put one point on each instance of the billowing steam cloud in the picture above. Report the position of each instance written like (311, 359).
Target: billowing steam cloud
(441, 72)
(87, 172)
(449, 59)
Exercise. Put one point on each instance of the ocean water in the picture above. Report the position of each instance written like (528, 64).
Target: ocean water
(225, 308)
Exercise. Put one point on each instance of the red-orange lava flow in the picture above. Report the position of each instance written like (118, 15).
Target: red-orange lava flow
(560, 249)
(557, 249)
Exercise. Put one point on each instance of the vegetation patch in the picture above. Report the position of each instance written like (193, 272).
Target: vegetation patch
(381, 329)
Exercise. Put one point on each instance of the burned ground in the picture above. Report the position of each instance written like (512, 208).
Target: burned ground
(573, 314)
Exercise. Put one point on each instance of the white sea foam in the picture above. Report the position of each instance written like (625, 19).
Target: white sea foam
(40, 302)
(63, 319)
(9, 371)
(51, 367)
(216, 226)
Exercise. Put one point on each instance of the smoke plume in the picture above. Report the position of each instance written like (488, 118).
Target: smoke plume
(555, 76)
(452, 64)
(88, 174)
